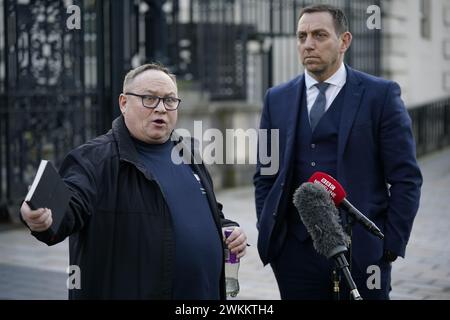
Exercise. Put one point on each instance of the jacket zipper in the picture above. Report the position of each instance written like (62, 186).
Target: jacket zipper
(146, 176)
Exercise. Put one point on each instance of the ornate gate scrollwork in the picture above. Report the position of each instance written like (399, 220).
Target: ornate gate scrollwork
(47, 109)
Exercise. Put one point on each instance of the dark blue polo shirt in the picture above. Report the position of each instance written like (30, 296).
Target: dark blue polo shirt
(198, 246)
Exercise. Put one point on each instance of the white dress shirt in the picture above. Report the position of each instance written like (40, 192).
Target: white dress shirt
(336, 81)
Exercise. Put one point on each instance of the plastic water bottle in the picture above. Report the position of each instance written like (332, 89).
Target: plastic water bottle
(231, 270)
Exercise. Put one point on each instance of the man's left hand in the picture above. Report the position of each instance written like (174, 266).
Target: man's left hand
(389, 256)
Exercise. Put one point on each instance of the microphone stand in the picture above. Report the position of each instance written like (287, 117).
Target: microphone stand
(336, 273)
(349, 227)
(344, 265)
(341, 263)
(336, 284)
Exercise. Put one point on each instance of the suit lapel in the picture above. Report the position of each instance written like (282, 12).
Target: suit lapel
(352, 103)
(293, 100)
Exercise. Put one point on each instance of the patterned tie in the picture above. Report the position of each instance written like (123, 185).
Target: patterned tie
(318, 108)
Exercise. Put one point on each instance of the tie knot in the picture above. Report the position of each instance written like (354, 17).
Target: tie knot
(322, 86)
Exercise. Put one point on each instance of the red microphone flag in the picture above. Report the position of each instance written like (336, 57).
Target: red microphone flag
(335, 189)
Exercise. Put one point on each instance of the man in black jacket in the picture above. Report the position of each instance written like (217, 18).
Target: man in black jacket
(141, 226)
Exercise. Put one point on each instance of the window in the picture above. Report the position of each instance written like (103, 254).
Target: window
(446, 82)
(447, 16)
(446, 45)
(425, 19)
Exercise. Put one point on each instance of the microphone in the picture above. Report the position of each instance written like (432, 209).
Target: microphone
(338, 195)
(321, 219)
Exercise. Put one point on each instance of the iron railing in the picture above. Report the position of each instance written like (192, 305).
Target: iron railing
(431, 126)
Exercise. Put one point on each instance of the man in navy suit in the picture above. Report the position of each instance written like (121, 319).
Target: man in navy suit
(354, 127)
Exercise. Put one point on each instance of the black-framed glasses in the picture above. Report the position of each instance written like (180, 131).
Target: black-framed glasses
(151, 102)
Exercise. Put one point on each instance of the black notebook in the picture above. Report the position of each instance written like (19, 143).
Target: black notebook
(49, 191)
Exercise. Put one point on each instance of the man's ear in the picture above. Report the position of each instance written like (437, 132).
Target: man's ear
(123, 103)
(346, 41)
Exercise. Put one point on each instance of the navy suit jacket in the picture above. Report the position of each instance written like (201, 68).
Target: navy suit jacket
(375, 148)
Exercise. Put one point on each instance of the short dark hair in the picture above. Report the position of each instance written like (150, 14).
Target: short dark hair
(149, 66)
(339, 18)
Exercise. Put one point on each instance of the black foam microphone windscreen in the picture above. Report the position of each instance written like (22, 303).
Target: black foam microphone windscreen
(321, 219)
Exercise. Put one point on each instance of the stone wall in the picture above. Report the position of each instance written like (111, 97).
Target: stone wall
(198, 116)
(418, 63)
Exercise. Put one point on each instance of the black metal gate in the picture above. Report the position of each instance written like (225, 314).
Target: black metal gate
(48, 88)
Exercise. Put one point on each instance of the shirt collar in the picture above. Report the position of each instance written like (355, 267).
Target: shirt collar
(338, 79)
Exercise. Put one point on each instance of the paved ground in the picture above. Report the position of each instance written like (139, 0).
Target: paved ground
(31, 270)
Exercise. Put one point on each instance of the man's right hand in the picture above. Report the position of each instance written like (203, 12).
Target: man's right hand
(37, 220)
